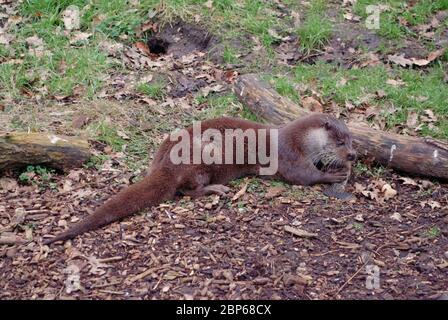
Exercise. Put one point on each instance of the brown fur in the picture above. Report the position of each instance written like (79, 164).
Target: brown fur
(295, 166)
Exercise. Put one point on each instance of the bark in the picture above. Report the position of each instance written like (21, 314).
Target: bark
(19, 149)
(418, 156)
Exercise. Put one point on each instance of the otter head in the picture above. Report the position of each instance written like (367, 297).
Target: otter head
(340, 140)
(330, 143)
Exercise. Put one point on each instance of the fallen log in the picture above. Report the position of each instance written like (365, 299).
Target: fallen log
(19, 149)
(418, 156)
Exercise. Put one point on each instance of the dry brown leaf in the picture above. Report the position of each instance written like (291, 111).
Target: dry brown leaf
(388, 191)
(71, 18)
(430, 116)
(240, 193)
(143, 47)
(404, 62)
(412, 120)
(273, 192)
(80, 36)
(395, 83)
(312, 104)
(408, 181)
(431, 203)
(146, 27)
(436, 54)
(34, 41)
(72, 282)
(5, 38)
(396, 216)
(8, 184)
(209, 4)
(400, 60)
(79, 121)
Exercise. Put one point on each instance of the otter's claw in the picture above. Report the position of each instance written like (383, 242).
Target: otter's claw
(341, 195)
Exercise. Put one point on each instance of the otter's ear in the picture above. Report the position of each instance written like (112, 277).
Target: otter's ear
(327, 124)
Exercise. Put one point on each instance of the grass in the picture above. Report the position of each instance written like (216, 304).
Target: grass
(223, 105)
(390, 26)
(432, 233)
(316, 30)
(230, 55)
(286, 88)
(108, 134)
(154, 90)
(421, 90)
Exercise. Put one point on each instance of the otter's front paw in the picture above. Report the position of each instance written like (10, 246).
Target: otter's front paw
(335, 176)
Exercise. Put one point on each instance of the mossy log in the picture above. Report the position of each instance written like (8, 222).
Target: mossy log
(19, 149)
(418, 156)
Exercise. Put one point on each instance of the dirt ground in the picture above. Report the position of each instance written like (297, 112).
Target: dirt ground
(216, 248)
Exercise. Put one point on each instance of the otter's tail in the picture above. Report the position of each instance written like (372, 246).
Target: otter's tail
(152, 190)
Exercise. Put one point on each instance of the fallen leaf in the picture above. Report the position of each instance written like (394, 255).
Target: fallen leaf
(400, 60)
(209, 4)
(5, 39)
(408, 181)
(312, 104)
(8, 184)
(273, 192)
(146, 27)
(80, 37)
(433, 204)
(34, 41)
(412, 120)
(396, 216)
(96, 266)
(123, 135)
(72, 282)
(79, 121)
(395, 83)
(436, 54)
(241, 192)
(430, 116)
(388, 191)
(143, 47)
(71, 18)
(404, 62)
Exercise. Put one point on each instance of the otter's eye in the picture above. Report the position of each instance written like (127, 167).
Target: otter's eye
(340, 143)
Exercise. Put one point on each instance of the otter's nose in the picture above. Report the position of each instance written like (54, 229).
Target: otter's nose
(351, 156)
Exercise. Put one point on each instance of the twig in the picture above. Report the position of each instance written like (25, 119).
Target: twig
(350, 279)
(106, 260)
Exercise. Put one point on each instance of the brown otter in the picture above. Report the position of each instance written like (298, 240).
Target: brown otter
(311, 150)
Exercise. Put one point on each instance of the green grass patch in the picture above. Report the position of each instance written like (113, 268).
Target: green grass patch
(390, 27)
(224, 105)
(286, 88)
(230, 55)
(316, 30)
(154, 90)
(108, 134)
(421, 90)
(432, 232)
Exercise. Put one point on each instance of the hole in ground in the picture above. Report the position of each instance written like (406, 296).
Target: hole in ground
(181, 38)
(158, 45)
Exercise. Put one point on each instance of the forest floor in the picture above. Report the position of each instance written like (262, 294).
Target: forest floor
(135, 70)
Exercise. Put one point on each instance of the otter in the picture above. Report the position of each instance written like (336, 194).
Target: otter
(315, 149)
